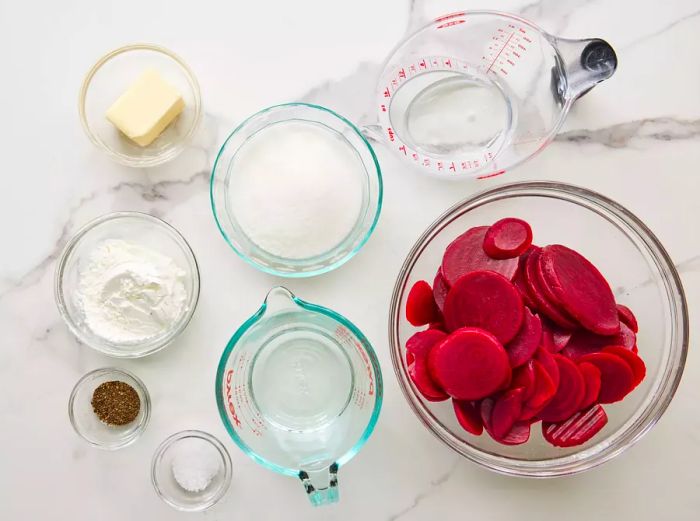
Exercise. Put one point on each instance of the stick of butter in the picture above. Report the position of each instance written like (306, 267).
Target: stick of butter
(146, 108)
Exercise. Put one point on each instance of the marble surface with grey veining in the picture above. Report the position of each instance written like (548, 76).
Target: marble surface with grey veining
(635, 138)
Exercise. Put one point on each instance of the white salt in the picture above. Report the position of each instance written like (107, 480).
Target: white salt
(195, 464)
(296, 189)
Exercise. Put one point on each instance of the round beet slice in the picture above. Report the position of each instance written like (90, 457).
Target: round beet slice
(627, 317)
(570, 392)
(440, 290)
(466, 254)
(583, 342)
(639, 368)
(506, 411)
(616, 377)
(486, 300)
(523, 346)
(519, 280)
(417, 349)
(591, 375)
(536, 292)
(420, 305)
(546, 359)
(468, 416)
(580, 289)
(577, 429)
(543, 392)
(524, 376)
(507, 238)
(554, 338)
(470, 364)
(518, 435)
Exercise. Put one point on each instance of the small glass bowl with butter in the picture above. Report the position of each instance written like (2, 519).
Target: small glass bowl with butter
(146, 91)
(144, 234)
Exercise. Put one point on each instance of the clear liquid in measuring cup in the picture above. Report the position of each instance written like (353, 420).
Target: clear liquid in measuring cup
(452, 114)
(302, 380)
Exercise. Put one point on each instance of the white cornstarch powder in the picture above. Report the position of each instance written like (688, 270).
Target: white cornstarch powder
(129, 293)
(296, 189)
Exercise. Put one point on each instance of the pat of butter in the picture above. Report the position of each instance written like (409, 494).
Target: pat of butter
(146, 108)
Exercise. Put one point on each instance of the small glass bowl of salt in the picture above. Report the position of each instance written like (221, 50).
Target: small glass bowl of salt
(191, 471)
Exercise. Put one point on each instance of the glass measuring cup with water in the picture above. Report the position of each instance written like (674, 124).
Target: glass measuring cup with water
(299, 390)
(475, 93)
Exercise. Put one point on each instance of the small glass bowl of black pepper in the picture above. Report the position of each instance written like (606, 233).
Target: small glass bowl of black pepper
(109, 408)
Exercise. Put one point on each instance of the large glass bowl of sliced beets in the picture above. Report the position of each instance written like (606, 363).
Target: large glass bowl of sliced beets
(538, 329)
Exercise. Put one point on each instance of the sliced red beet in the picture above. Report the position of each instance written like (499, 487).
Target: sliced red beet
(519, 279)
(440, 290)
(507, 238)
(518, 435)
(437, 325)
(506, 411)
(544, 391)
(570, 392)
(554, 337)
(580, 289)
(577, 429)
(524, 376)
(469, 364)
(466, 254)
(635, 349)
(417, 349)
(627, 317)
(486, 411)
(523, 346)
(591, 375)
(616, 377)
(639, 368)
(468, 416)
(420, 305)
(546, 359)
(537, 293)
(584, 342)
(486, 300)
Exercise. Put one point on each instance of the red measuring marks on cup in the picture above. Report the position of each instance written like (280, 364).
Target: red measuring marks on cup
(505, 49)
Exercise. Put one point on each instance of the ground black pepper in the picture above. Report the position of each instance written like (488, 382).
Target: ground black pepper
(116, 403)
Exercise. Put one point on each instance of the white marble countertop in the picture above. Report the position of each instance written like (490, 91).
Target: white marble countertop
(635, 138)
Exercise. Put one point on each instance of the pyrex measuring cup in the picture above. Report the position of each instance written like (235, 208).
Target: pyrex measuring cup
(475, 93)
(299, 390)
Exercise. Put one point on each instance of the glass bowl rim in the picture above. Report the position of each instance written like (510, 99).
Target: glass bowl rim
(200, 435)
(677, 349)
(350, 254)
(151, 347)
(133, 379)
(313, 308)
(177, 147)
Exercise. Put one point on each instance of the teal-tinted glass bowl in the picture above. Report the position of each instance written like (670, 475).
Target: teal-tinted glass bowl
(224, 170)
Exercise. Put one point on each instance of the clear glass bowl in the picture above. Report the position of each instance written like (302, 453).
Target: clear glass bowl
(224, 170)
(111, 76)
(88, 425)
(642, 276)
(165, 483)
(134, 227)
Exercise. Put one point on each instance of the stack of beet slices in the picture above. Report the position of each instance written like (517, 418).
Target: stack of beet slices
(519, 334)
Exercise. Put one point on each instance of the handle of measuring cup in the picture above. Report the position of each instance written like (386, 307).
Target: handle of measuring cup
(586, 63)
(321, 486)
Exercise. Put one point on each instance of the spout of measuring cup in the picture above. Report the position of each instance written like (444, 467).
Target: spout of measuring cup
(585, 64)
(321, 486)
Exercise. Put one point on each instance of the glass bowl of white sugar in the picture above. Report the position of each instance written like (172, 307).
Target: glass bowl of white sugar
(127, 284)
(296, 190)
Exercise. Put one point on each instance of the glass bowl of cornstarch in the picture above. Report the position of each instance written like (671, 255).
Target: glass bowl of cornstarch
(296, 190)
(127, 284)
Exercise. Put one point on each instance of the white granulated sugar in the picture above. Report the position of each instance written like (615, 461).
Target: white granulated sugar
(129, 293)
(296, 189)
